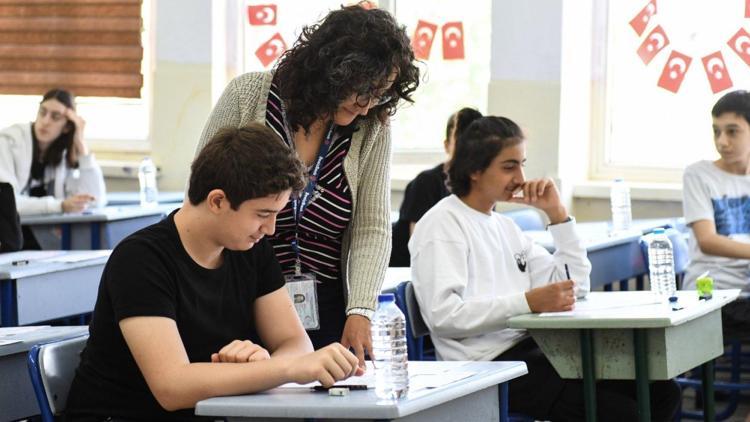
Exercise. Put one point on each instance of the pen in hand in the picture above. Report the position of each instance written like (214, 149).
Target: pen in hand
(567, 272)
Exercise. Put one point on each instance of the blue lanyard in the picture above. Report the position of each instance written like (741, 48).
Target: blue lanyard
(300, 203)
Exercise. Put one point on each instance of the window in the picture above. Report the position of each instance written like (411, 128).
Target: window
(643, 131)
(94, 49)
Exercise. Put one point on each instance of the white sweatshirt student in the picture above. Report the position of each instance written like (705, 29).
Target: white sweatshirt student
(470, 273)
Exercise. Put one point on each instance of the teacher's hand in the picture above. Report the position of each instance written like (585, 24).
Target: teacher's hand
(357, 336)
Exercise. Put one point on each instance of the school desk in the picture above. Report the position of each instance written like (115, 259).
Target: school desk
(473, 398)
(48, 285)
(627, 335)
(17, 400)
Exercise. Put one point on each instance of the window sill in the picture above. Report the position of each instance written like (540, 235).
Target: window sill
(641, 191)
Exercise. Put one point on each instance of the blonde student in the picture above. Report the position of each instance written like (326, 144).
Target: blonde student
(473, 269)
(48, 162)
(195, 306)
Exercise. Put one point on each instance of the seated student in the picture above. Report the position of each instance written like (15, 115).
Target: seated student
(716, 204)
(47, 161)
(473, 269)
(426, 189)
(10, 226)
(195, 306)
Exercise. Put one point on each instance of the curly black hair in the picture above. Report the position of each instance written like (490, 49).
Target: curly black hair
(353, 50)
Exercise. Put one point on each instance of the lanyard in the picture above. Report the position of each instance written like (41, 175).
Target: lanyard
(300, 203)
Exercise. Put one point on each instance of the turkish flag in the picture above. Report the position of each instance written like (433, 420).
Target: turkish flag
(271, 50)
(453, 40)
(674, 71)
(422, 40)
(641, 20)
(653, 44)
(740, 43)
(262, 14)
(716, 71)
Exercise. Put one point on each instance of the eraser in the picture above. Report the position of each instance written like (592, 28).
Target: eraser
(338, 391)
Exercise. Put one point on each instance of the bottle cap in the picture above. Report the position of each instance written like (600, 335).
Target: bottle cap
(659, 230)
(386, 297)
(672, 299)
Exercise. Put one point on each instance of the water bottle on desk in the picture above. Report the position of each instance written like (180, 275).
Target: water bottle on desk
(620, 202)
(389, 348)
(661, 264)
(147, 182)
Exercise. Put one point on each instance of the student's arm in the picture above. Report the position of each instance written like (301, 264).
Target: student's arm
(283, 334)
(88, 180)
(712, 243)
(176, 383)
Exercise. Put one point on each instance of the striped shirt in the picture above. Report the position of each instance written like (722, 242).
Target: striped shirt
(326, 217)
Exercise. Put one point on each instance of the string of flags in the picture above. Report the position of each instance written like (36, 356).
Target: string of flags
(678, 63)
(452, 34)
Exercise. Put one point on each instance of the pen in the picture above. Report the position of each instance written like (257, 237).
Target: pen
(567, 272)
(20, 262)
(349, 386)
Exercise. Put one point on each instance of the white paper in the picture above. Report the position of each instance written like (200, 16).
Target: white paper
(7, 342)
(419, 381)
(10, 257)
(79, 256)
(14, 331)
(607, 302)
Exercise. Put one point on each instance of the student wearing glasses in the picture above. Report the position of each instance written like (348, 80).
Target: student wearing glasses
(330, 98)
(47, 161)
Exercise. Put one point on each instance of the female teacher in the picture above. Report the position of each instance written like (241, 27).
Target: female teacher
(330, 98)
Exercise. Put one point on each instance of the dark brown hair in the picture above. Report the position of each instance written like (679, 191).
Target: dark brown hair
(477, 146)
(246, 163)
(461, 120)
(64, 142)
(351, 51)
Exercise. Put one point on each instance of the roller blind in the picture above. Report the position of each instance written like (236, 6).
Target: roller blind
(91, 47)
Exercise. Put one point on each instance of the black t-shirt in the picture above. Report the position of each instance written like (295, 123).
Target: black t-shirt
(37, 187)
(421, 194)
(151, 274)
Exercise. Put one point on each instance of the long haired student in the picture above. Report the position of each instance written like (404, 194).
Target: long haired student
(473, 269)
(195, 306)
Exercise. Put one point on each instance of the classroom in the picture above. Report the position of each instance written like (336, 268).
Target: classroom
(497, 210)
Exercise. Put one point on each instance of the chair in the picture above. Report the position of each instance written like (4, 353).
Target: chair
(526, 218)
(416, 328)
(52, 367)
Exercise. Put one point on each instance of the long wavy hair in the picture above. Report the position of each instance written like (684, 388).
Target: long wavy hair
(64, 143)
(353, 50)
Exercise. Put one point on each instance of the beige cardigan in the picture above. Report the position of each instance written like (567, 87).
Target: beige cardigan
(367, 241)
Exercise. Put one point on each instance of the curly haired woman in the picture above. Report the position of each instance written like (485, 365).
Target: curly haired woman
(330, 98)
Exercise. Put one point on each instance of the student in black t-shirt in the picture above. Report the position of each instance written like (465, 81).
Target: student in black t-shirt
(427, 189)
(195, 306)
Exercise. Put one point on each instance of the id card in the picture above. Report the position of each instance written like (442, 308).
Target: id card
(303, 292)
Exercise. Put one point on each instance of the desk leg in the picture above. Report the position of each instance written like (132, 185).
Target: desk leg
(640, 344)
(504, 402)
(589, 381)
(8, 305)
(709, 411)
(96, 235)
(67, 242)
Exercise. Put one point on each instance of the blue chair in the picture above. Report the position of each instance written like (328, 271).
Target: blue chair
(52, 367)
(416, 329)
(526, 218)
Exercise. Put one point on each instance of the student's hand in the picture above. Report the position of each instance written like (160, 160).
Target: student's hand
(543, 194)
(240, 351)
(555, 297)
(327, 365)
(357, 335)
(77, 203)
(80, 124)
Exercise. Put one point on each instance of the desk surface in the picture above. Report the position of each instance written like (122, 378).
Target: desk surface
(604, 311)
(99, 214)
(134, 198)
(44, 262)
(302, 403)
(41, 335)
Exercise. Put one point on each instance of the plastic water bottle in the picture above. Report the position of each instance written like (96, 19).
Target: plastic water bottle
(620, 201)
(661, 264)
(147, 182)
(389, 348)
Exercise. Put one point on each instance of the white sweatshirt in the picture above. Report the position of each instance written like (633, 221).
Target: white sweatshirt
(470, 273)
(16, 148)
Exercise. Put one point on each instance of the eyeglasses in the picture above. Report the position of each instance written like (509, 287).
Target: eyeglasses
(369, 100)
(54, 115)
